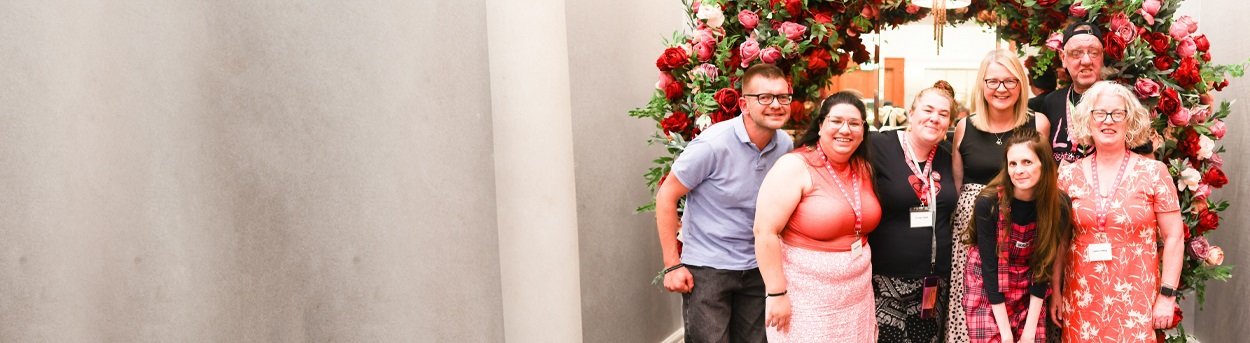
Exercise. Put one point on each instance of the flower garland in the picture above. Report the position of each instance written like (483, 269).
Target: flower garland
(1163, 59)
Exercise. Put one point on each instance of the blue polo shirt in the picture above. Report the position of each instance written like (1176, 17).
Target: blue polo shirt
(723, 171)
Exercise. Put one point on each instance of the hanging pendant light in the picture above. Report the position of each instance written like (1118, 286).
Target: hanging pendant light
(939, 15)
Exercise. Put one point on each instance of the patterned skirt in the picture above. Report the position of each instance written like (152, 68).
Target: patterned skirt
(830, 296)
(898, 310)
(957, 325)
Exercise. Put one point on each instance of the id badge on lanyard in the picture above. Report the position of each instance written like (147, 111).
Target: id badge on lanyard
(1099, 252)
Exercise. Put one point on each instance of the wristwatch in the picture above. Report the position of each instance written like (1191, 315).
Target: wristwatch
(1167, 291)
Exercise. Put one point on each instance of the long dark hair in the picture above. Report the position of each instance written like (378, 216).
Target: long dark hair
(859, 158)
(1053, 208)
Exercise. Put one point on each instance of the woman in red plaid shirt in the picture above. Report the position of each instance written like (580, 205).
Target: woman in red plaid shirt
(1020, 220)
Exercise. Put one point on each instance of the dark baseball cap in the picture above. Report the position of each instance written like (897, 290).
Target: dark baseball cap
(1081, 28)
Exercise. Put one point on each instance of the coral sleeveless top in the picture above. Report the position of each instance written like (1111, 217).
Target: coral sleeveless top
(824, 219)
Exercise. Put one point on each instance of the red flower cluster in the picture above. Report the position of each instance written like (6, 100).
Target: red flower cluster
(1186, 75)
(1207, 221)
(1158, 41)
(1169, 102)
(672, 58)
(1215, 177)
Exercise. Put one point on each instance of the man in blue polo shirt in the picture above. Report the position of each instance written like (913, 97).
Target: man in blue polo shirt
(719, 173)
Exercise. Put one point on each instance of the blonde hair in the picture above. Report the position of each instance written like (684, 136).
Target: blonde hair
(1138, 118)
(1008, 60)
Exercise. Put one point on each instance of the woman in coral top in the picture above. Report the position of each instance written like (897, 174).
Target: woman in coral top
(1122, 204)
(815, 208)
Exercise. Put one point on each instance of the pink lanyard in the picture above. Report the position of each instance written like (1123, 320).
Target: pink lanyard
(925, 176)
(855, 204)
(1103, 200)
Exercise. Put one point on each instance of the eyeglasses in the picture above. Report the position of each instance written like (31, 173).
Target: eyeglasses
(853, 125)
(767, 99)
(1092, 53)
(1116, 115)
(993, 84)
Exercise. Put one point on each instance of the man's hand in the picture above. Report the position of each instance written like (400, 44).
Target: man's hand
(679, 280)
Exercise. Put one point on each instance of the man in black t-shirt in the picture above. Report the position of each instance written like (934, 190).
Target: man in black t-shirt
(1082, 57)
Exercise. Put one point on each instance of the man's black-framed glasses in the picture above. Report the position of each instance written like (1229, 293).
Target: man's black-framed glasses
(767, 99)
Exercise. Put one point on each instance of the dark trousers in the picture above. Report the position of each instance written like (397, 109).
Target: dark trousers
(725, 306)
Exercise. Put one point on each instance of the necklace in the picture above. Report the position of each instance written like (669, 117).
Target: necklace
(998, 137)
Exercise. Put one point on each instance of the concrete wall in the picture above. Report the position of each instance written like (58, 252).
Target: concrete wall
(613, 46)
(246, 171)
(1223, 316)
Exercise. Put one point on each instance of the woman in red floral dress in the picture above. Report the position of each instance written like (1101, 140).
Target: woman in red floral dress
(1122, 203)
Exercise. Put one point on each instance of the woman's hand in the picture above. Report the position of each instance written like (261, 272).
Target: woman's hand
(777, 313)
(1163, 310)
(1056, 307)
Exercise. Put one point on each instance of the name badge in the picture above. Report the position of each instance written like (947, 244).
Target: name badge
(921, 217)
(1098, 252)
(857, 247)
(1021, 245)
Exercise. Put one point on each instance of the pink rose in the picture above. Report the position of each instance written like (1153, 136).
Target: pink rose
(748, 19)
(1200, 114)
(1218, 129)
(1180, 118)
(705, 50)
(1146, 88)
(1123, 27)
(1077, 10)
(1178, 30)
(1189, 22)
(749, 50)
(1203, 191)
(1149, 9)
(1055, 41)
(703, 35)
(792, 31)
(1215, 256)
(665, 79)
(1186, 47)
(770, 54)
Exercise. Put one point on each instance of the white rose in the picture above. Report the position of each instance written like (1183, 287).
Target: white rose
(1189, 179)
(712, 14)
(1206, 147)
(703, 121)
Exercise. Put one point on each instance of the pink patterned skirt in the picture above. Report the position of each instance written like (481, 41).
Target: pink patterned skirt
(830, 296)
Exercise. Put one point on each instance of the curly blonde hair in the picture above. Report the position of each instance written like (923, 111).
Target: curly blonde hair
(1138, 118)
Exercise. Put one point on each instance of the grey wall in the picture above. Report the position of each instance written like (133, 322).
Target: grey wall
(612, 50)
(246, 171)
(1223, 318)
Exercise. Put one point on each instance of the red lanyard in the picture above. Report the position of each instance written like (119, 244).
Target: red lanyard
(855, 204)
(1103, 200)
(925, 176)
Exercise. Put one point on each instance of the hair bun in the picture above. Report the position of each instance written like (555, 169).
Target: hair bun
(945, 86)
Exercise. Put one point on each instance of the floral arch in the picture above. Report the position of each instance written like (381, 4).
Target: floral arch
(1164, 59)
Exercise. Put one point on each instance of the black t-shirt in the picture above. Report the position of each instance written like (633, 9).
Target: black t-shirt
(986, 214)
(1056, 109)
(898, 249)
(982, 152)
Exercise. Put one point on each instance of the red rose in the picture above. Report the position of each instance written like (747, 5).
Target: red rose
(797, 112)
(843, 60)
(1215, 177)
(672, 90)
(1163, 62)
(728, 99)
(1186, 75)
(823, 16)
(720, 116)
(818, 59)
(1158, 42)
(1176, 315)
(1201, 41)
(672, 58)
(1206, 57)
(794, 7)
(1207, 221)
(1114, 45)
(1046, 3)
(1189, 144)
(1169, 101)
(676, 123)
